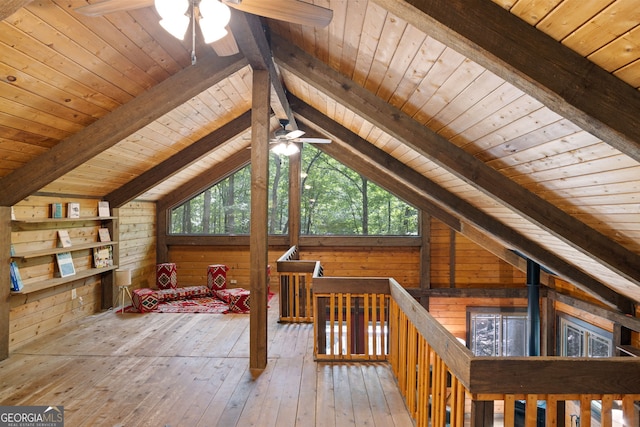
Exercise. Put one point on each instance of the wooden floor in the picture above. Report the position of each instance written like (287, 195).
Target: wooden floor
(192, 370)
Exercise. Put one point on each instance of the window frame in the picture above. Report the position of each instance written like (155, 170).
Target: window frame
(498, 310)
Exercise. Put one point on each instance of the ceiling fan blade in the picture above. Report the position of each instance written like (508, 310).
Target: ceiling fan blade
(227, 45)
(315, 140)
(294, 134)
(294, 11)
(110, 6)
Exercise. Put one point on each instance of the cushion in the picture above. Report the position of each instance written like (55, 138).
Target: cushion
(166, 276)
(217, 277)
(187, 292)
(226, 294)
(144, 300)
(239, 299)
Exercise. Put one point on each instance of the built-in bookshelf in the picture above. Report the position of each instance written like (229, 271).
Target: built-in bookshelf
(55, 250)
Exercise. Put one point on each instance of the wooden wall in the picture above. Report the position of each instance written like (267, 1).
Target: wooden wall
(401, 263)
(137, 237)
(192, 261)
(36, 313)
(458, 262)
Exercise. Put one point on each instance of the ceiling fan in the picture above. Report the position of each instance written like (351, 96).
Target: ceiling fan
(285, 141)
(293, 11)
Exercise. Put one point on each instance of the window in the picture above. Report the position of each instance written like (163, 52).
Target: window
(335, 200)
(225, 208)
(581, 339)
(497, 331)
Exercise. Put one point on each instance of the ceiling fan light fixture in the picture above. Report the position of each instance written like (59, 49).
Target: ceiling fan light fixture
(176, 25)
(215, 12)
(285, 149)
(210, 31)
(168, 9)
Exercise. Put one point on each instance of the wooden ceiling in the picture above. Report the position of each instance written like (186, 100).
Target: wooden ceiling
(516, 122)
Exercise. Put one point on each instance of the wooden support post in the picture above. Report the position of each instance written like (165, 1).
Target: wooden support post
(259, 214)
(295, 165)
(5, 282)
(481, 413)
(425, 256)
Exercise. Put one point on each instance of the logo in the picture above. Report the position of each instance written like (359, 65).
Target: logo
(31, 416)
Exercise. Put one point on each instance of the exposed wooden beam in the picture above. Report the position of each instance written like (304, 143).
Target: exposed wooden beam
(560, 78)
(179, 161)
(258, 246)
(454, 159)
(357, 153)
(205, 180)
(9, 7)
(253, 44)
(115, 126)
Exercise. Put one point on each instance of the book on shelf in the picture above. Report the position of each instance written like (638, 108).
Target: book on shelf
(65, 240)
(103, 209)
(103, 256)
(73, 210)
(16, 280)
(56, 210)
(65, 264)
(103, 235)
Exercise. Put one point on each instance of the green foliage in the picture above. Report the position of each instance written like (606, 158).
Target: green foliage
(335, 201)
(338, 201)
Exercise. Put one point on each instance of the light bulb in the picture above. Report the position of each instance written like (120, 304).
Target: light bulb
(167, 9)
(176, 25)
(210, 31)
(216, 12)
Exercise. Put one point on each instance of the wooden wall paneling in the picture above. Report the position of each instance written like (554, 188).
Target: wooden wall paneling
(138, 242)
(37, 313)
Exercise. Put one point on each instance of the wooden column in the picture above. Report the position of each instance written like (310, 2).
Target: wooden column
(5, 282)
(295, 167)
(259, 223)
(162, 220)
(425, 256)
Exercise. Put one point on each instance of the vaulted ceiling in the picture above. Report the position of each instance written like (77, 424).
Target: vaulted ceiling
(513, 121)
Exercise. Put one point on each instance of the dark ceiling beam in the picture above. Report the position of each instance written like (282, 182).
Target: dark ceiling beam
(362, 156)
(205, 180)
(458, 162)
(560, 78)
(9, 7)
(116, 126)
(252, 42)
(179, 161)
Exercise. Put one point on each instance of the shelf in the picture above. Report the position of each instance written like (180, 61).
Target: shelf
(46, 220)
(56, 281)
(53, 251)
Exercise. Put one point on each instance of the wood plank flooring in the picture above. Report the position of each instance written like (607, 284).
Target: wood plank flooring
(192, 370)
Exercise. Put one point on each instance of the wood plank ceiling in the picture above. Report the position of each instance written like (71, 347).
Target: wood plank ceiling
(541, 154)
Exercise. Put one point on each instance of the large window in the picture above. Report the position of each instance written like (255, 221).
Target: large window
(496, 331)
(338, 201)
(335, 200)
(225, 208)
